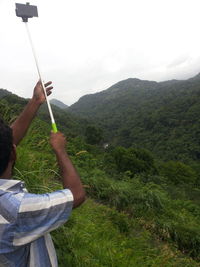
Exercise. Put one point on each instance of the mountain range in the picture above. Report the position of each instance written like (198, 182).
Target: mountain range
(160, 116)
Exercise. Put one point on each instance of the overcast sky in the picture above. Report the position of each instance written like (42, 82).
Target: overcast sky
(85, 46)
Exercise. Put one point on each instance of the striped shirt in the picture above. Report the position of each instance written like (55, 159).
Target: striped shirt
(25, 222)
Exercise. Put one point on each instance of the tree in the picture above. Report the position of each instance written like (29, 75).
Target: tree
(133, 160)
(178, 172)
(93, 135)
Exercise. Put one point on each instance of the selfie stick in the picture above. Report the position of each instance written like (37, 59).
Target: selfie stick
(25, 12)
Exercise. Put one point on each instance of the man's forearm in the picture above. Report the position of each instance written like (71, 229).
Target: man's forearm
(22, 123)
(70, 177)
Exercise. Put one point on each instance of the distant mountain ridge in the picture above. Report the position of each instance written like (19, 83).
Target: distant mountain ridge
(4, 92)
(163, 117)
(58, 103)
(160, 116)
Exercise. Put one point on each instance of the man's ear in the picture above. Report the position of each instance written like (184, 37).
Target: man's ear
(13, 155)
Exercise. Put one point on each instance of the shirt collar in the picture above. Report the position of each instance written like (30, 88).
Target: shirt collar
(11, 185)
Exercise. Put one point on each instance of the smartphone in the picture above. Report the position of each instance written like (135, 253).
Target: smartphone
(26, 11)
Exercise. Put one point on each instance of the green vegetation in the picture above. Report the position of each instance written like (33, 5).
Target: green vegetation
(133, 160)
(161, 117)
(130, 232)
(140, 211)
(93, 135)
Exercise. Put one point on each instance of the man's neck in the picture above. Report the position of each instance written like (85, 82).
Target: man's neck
(8, 173)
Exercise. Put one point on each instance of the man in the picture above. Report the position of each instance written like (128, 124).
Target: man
(26, 219)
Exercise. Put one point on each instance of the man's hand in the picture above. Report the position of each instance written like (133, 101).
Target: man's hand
(22, 123)
(38, 93)
(58, 142)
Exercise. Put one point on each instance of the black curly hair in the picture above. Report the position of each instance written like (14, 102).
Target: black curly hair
(6, 144)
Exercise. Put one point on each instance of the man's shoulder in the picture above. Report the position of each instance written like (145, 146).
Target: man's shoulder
(11, 195)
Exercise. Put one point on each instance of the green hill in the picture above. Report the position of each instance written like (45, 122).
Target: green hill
(12, 105)
(4, 93)
(139, 212)
(162, 117)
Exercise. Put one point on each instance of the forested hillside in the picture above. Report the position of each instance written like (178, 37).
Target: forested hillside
(67, 122)
(4, 92)
(162, 117)
(140, 211)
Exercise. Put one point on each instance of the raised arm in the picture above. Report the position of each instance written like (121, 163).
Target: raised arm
(70, 177)
(22, 123)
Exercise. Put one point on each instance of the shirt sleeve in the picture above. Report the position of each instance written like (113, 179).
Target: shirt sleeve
(40, 214)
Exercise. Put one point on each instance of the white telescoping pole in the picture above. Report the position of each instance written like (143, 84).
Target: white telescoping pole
(54, 127)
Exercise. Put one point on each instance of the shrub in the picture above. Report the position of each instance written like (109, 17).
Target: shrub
(178, 172)
(134, 160)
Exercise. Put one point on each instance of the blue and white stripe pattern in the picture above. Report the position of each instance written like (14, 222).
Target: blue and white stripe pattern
(25, 222)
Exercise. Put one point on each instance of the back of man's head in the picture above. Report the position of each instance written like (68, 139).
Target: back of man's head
(6, 144)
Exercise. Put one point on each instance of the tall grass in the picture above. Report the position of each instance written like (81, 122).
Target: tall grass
(171, 219)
